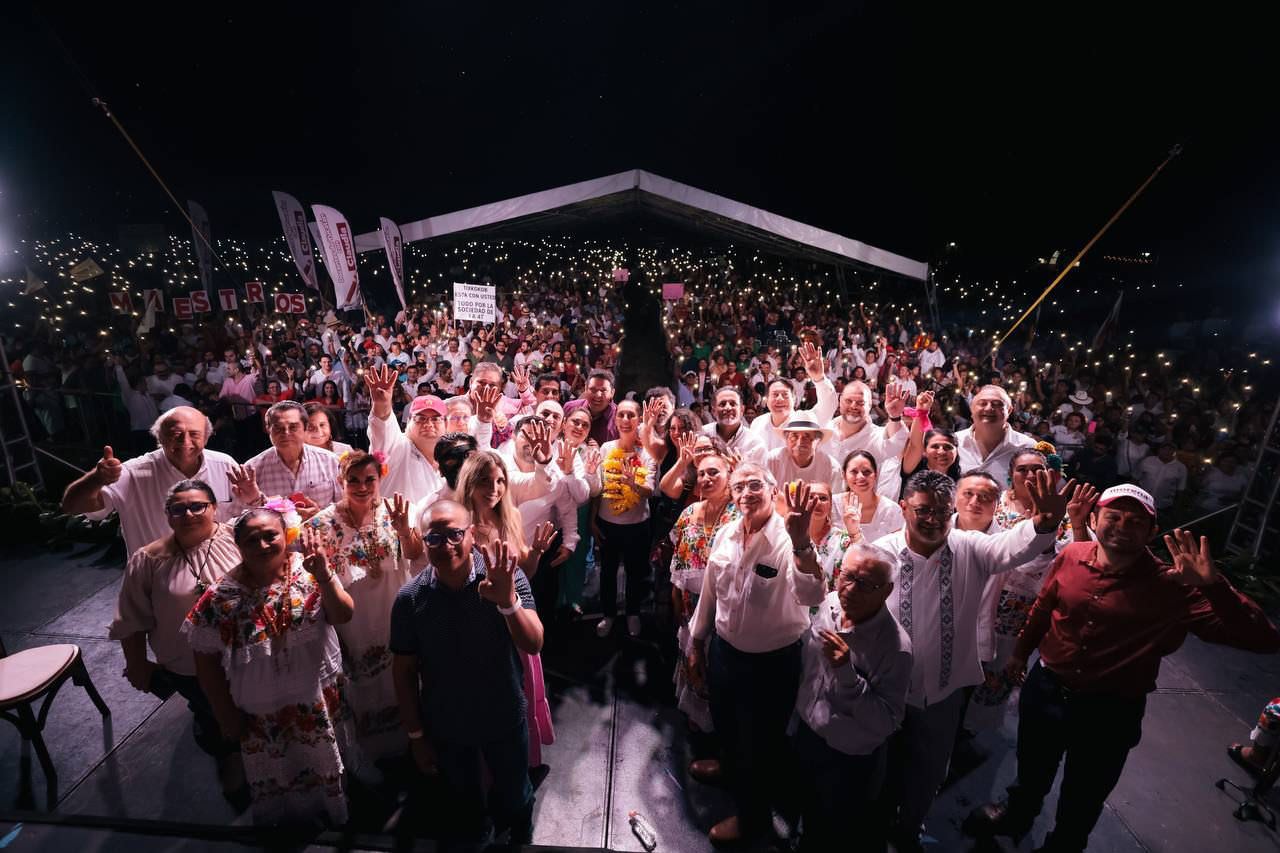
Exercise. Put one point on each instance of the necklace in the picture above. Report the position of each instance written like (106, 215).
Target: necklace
(197, 572)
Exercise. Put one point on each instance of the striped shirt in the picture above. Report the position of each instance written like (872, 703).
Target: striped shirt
(317, 476)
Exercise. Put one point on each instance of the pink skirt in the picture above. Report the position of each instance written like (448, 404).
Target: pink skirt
(538, 710)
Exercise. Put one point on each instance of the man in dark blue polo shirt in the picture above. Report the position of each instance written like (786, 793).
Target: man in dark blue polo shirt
(455, 632)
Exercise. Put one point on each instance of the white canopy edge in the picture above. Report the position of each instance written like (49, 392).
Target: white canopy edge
(638, 179)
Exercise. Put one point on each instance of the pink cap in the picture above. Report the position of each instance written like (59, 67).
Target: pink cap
(427, 401)
(1128, 490)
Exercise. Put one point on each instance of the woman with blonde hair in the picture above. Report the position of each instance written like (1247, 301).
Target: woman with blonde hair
(482, 489)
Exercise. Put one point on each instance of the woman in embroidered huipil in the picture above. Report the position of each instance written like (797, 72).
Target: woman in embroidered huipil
(369, 543)
(267, 657)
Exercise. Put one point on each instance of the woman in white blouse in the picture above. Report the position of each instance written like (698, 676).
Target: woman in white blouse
(861, 506)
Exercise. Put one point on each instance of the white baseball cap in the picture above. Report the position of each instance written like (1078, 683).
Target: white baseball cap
(1128, 490)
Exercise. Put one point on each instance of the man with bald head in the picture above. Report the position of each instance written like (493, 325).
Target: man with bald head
(990, 443)
(137, 489)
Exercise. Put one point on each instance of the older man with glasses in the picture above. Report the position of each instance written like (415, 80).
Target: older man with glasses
(938, 597)
(762, 577)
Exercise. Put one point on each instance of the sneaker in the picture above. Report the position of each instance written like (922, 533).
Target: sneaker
(633, 625)
(604, 627)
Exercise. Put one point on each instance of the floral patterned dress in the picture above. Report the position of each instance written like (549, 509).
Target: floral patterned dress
(692, 541)
(372, 567)
(284, 668)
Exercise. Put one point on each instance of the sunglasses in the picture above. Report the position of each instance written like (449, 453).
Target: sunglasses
(436, 538)
(193, 508)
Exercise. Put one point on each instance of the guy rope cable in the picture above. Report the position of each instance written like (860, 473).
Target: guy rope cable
(1177, 149)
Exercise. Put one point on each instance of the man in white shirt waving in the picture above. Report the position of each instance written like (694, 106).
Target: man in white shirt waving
(761, 579)
(937, 599)
(990, 443)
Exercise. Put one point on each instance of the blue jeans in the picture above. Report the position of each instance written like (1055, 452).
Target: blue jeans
(510, 801)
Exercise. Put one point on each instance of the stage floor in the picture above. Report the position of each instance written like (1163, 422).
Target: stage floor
(620, 746)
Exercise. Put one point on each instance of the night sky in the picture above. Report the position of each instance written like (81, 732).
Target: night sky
(906, 130)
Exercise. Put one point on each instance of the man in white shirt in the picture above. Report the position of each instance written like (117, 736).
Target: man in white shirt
(802, 457)
(326, 372)
(137, 489)
(781, 399)
(162, 382)
(990, 443)
(942, 573)
(761, 579)
(931, 357)
(853, 430)
(731, 429)
(411, 465)
(1163, 476)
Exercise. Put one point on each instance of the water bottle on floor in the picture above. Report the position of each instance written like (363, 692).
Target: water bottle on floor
(642, 829)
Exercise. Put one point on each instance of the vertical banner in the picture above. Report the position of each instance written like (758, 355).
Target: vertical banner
(338, 249)
(294, 223)
(392, 242)
(253, 291)
(201, 237)
(227, 298)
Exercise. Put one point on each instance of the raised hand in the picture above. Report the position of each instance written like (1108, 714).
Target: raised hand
(313, 557)
(924, 402)
(499, 584)
(398, 513)
(381, 382)
(109, 468)
(852, 517)
(685, 444)
(1082, 500)
(1192, 566)
(834, 648)
(564, 459)
(542, 536)
(1048, 503)
(800, 504)
(539, 436)
(894, 401)
(811, 356)
(244, 484)
(520, 375)
(592, 459)
(485, 400)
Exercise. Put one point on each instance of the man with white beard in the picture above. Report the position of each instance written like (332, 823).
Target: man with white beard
(853, 430)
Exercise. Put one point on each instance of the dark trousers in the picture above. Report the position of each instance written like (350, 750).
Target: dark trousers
(510, 800)
(919, 755)
(1094, 733)
(546, 583)
(752, 697)
(204, 725)
(627, 545)
(838, 794)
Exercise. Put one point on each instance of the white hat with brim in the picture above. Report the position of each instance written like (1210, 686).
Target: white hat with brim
(806, 422)
(1128, 490)
(1081, 398)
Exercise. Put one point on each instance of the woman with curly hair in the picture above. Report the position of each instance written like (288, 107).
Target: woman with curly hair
(370, 544)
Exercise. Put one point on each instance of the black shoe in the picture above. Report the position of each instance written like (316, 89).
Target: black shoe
(996, 819)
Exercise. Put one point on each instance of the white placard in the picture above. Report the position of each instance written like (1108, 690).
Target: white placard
(475, 302)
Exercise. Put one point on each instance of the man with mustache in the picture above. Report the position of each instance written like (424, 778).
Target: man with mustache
(853, 430)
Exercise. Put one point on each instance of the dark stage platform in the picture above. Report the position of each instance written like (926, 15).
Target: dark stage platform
(620, 746)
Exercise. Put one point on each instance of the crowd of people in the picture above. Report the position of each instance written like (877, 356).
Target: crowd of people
(350, 542)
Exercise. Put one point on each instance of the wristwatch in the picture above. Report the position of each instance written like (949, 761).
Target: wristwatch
(509, 611)
(807, 549)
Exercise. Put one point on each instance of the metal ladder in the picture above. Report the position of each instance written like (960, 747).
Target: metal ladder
(1256, 529)
(19, 452)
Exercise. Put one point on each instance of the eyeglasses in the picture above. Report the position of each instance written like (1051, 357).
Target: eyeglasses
(427, 418)
(193, 508)
(753, 486)
(930, 511)
(436, 538)
(862, 584)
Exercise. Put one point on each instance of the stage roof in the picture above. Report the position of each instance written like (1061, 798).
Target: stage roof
(636, 190)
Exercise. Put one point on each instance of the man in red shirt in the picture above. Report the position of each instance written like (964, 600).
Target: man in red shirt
(1106, 615)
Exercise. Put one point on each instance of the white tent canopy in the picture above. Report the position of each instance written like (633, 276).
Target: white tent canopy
(671, 195)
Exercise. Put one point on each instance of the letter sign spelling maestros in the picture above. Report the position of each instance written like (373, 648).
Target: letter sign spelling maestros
(475, 303)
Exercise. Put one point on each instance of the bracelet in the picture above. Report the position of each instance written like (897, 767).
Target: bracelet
(510, 611)
(807, 549)
(895, 420)
(416, 734)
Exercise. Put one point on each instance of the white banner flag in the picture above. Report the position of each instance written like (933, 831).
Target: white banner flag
(475, 302)
(338, 249)
(392, 242)
(203, 240)
(294, 223)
